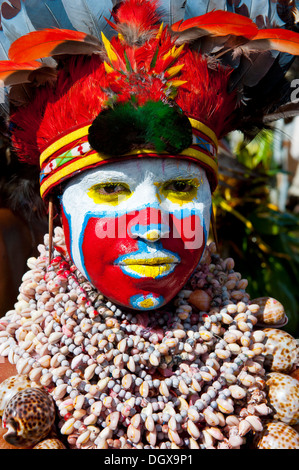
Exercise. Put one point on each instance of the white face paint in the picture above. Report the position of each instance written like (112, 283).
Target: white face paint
(142, 222)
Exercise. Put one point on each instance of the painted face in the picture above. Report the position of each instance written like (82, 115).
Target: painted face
(137, 229)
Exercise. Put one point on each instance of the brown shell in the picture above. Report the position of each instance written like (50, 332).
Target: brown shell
(201, 300)
(283, 395)
(277, 435)
(281, 350)
(28, 416)
(50, 444)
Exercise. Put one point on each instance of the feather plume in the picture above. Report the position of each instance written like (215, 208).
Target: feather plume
(141, 13)
(251, 69)
(89, 16)
(172, 10)
(253, 9)
(48, 14)
(17, 25)
(219, 23)
(14, 72)
(285, 111)
(282, 13)
(4, 46)
(277, 39)
(137, 21)
(195, 8)
(52, 42)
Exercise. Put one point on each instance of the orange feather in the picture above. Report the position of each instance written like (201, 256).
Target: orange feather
(50, 42)
(281, 40)
(9, 68)
(219, 23)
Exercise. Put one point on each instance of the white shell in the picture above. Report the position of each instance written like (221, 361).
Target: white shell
(281, 350)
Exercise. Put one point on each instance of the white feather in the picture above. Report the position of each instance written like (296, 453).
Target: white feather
(172, 10)
(257, 8)
(88, 16)
(275, 19)
(17, 26)
(4, 46)
(48, 14)
(201, 7)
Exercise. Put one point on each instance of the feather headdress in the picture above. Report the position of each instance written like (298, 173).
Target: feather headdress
(91, 82)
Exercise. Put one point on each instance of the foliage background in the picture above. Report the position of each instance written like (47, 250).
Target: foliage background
(261, 238)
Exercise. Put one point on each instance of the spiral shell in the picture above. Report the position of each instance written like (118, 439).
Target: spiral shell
(271, 312)
(281, 350)
(201, 300)
(28, 416)
(283, 395)
(11, 386)
(50, 444)
(276, 435)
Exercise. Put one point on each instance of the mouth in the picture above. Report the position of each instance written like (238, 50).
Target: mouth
(148, 266)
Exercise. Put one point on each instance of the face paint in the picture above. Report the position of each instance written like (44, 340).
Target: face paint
(136, 230)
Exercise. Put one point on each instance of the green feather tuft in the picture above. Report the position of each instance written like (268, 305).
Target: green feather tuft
(155, 126)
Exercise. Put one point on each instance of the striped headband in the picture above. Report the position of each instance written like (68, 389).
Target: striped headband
(72, 153)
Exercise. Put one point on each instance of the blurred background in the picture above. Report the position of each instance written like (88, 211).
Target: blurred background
(256, 208)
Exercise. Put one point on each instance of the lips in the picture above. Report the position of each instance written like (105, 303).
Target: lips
(154, 265)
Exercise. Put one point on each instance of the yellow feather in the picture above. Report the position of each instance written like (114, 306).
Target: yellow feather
(174, 52)
(108, 68)
(176, 83)
(172, 71)
(160, 31)
(109, 49)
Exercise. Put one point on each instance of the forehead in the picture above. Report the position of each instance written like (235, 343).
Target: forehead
(138, 170)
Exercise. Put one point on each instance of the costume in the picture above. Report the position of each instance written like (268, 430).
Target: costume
(191, 374)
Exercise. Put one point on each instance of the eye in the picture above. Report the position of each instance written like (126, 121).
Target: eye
(109, 192)
(111, 188)
(180, 186)
(180, 191)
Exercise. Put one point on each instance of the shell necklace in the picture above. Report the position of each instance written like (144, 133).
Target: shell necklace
(189, 375)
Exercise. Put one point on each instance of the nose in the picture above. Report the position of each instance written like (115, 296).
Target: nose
(150, 224)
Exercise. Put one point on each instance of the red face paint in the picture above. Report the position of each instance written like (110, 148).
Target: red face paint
(136, 272)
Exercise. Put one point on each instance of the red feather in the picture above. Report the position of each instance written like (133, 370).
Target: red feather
(51, 42)
(281, 40)
(139, 13)
(219, 23)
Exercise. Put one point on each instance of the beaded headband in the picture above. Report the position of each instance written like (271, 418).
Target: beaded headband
(72, 153)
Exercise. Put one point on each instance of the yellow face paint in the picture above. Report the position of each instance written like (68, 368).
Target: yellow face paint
(150, 271)
(180, 191)
(149, 267)
(147, 303)
(109, 193)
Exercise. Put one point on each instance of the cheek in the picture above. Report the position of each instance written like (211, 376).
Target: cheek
(102, 244)
(104, 240)
(188, 240)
